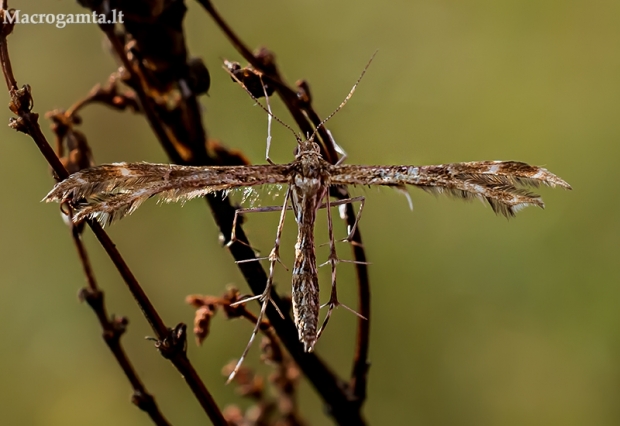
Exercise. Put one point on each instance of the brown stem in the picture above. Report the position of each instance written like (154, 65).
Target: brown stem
(113, 329)
(359, 372)
(301, 110)
(170, 341)
(343, 407)
(108, 95)
(304, 115)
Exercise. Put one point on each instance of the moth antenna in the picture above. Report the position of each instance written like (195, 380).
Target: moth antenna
(267, 110)
(322, 123)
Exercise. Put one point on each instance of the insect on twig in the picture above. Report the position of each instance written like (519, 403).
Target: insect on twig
(112, 191)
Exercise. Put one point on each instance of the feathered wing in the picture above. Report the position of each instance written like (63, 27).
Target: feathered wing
(112, 191)
(501, 183)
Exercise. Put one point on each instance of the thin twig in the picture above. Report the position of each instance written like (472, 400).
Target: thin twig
(284, 378)
(108, 95)
(344, 408)
(264, 61)
(113, 328)
(171, 342)
(301, 109)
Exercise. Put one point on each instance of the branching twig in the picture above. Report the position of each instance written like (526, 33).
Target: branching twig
(108, 95)
(113, 328)
(170, 342)
(179, 130)
(190, 150)
(284, 378)
(307, 119)
(79, 157)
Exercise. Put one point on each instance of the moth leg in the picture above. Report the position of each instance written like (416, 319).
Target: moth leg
(353, 228)
(269, 120)
(333, 261)
(265, 297)
(338, 148)
(233, 235)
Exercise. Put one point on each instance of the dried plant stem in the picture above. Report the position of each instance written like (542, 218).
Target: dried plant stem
(113, 329)
(299, 107)
(307, 119)
(343, 407)
(171, 341)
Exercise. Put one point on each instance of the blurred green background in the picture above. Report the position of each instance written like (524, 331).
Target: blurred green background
(476, 320)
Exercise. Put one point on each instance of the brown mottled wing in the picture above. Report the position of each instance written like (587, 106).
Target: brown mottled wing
(112, 191)
(500, 183)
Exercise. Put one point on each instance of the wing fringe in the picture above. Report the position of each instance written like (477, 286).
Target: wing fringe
(502, 184)
(110, 192)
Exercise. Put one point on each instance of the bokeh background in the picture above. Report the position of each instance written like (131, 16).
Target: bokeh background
(476, 320)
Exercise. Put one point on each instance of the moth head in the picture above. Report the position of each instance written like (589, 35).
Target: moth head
(308, 148)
